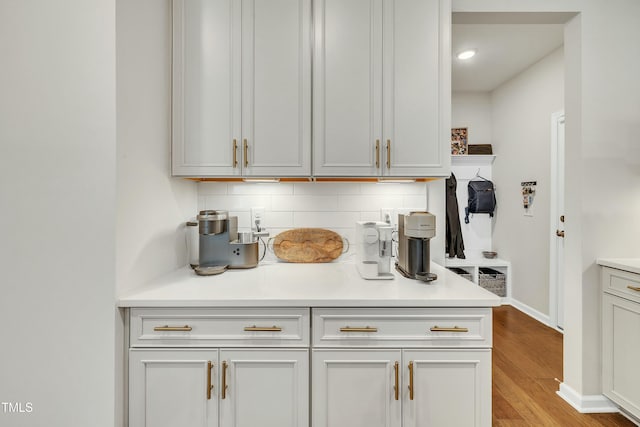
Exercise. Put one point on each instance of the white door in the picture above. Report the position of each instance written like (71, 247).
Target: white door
(447, 388)
(347, 81)
(556, 262)
(356, 388)
(416, 87)
(276, 87)
(169, 388)
(206, 87)
(264, 387)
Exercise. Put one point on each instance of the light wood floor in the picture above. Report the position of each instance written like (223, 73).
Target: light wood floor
(527, 368)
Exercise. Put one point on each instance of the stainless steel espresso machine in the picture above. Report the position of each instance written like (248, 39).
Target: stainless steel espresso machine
(414, 256)
(220, 248)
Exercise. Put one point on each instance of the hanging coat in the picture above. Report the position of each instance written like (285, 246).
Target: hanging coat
(454, 244)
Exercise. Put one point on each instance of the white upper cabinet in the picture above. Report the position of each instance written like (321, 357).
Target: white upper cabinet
(242, 88)
(206, 87)
(417, 87)
(382, 87)
(347, 82)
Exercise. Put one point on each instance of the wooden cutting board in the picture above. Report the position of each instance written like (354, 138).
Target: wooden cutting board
(308, 245)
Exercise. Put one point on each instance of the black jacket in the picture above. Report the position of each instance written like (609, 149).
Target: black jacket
(455, 243)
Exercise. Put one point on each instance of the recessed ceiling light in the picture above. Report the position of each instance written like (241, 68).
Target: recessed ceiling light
(466, 54)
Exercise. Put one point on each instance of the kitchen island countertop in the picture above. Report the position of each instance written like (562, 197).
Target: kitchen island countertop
(277, 284)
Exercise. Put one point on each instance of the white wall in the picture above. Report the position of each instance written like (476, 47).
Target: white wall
(152, 206)
(609, 168)
(602, 63)
(57, 211)
(522, 109)
(473, 110)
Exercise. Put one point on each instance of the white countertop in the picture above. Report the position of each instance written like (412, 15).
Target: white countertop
(631, 265)
(277, 284)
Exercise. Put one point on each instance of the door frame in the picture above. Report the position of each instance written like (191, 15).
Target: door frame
(554, 211)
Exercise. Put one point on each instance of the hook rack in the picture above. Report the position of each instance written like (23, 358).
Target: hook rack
(528, 191)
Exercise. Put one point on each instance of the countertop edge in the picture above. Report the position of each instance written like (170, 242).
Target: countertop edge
(631, 265)
(131, 303)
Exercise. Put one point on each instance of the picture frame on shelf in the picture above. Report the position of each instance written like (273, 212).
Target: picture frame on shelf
(459, 141)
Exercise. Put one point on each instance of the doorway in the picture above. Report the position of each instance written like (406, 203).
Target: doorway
(557, 220)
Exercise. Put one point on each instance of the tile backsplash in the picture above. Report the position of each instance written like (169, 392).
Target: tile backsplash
(336, 206)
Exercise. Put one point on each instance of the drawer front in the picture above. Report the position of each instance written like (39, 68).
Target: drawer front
(406, 327)
(621, 283)
(219, 327)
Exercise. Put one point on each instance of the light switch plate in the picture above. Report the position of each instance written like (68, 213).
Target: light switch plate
(257, 214)
(389, 213)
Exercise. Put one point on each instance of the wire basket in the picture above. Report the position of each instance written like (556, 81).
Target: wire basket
(493, 281)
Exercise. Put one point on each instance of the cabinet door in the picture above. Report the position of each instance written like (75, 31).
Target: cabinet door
(169, 388)
(347, 79)
(417, 88)
(206, 87)
(451, 388)
(267, 388)
(356, 388)
(621, 352)
(276, 87)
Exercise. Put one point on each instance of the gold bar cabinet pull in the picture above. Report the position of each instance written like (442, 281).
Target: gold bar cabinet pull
(209, 385)
(377, 153)
(246, 152)
(235, 153)
(454, 329)
(223, 389)
(185, 328)
(255, 328)
(365, 329)
(397, 375)
(634, 288)
(388, 154)
(411, 380)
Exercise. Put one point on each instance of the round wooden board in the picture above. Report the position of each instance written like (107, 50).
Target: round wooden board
(308, 245)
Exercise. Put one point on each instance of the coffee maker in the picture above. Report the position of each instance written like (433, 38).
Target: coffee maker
(414, 233)
(219, 243)
(373, 250)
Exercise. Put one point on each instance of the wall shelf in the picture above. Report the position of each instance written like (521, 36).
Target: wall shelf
(472, 265)
(473, 159)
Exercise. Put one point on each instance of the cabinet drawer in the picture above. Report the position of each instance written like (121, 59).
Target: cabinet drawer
(406, 327)
(219, 327)
(621, 283)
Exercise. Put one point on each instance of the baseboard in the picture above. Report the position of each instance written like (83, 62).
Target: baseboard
(630, 417)
(590, 404)
(531, 312)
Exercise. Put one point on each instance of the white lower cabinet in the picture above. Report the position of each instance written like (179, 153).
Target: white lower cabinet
(169, 388)
(355, 388)
(447, 388)
(394, 388)
(227, 367)
(226, 388)
(265, 387)
(401, 367)
(620, 339)
(357, 367)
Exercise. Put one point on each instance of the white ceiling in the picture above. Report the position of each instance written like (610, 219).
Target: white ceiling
(503, 51)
